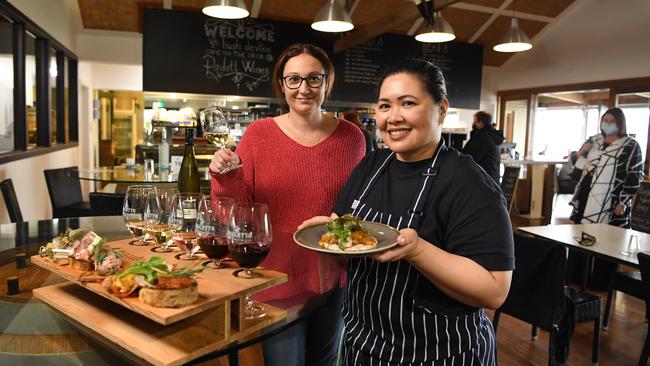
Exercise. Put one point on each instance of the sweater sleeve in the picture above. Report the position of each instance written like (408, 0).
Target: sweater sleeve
(239, 183)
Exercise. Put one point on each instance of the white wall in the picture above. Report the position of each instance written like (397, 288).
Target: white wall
(60, 18)
(595, 40)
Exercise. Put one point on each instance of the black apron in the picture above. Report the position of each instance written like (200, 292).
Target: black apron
(384, 321)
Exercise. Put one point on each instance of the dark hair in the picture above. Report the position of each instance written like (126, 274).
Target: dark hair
(485, 118)
(298, 49)
(429, 74)
(352, 117)
(619, 116)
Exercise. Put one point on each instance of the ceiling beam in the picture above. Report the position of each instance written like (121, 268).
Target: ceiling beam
(416, 25)
(352, 5)
(167, 4)
(502, 11)
(255, 9)
(577, 98)
(407, 15)
(487, 23)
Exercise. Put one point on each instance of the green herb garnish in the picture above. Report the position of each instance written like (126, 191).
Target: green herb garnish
(156, 266)
(342, 227)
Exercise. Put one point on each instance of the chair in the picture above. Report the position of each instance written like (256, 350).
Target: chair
(11, 201)
(628, 282)
(644, 265)
(538, 296)
(106, 204)
(65, 193)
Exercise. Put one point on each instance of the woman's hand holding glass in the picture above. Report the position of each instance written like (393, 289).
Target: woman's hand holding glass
(216, 131)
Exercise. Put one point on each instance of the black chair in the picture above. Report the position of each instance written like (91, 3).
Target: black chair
(628, 282)
(644, 265)
(106, 204)
(538, 296)
(65, 193)
(11, 201)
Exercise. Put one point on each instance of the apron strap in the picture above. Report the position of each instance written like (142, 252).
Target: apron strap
(429, 175)
(372, 180)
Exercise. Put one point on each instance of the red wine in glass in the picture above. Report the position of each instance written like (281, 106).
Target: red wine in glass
(249, 255)
(214, 247)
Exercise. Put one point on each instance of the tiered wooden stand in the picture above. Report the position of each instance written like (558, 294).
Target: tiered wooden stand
(161, 336)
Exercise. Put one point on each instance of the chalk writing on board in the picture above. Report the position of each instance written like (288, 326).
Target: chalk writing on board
(240, 52)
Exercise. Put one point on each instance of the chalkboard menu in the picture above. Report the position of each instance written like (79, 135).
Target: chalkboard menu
(192, 53)
(641, 209)
(509, 184)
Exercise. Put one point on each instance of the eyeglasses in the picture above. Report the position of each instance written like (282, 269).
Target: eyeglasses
(294, 81)
(586, 240)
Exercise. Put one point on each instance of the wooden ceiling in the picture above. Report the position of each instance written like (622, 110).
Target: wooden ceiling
(474, 21)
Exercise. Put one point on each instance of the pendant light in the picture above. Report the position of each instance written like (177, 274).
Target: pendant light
(514, 40)
(226, 9)
(332, 18)
(439, 32)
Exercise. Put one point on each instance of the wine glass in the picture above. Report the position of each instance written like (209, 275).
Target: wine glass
(133, 209)
(212, 227)
(216, 130)
(156, 215)
(250, 236)
(182, 221)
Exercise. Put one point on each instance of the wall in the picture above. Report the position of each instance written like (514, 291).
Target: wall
(595, 40)
(60, 18)
(110, 47)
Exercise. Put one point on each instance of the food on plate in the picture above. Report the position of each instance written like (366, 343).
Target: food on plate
(61, 246)
(346, 233)
(159, 284)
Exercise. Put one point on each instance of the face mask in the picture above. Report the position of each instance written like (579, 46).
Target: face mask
(608, 128)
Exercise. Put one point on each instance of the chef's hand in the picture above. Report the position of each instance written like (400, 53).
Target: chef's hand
(316, 220)
(223, 159)
(619, 209)
(409, 245)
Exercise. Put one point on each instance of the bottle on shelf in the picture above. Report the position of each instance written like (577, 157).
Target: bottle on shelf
(188, 175)
(163, 153)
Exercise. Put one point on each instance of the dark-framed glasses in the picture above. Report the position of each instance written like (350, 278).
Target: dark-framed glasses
(313, 80)
(585, 239)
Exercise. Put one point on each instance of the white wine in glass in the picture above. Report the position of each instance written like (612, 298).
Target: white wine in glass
(216, 130)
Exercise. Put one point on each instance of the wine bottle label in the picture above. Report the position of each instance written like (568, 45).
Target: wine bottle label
(189, 213)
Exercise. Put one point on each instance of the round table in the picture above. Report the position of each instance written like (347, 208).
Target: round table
(21, 310)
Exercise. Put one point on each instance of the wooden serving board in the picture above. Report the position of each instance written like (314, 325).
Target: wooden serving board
(144, 341)
(216, 286)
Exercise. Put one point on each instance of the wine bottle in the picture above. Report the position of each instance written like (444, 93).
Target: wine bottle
(188, 176)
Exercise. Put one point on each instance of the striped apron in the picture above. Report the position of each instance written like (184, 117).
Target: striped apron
(385, 324)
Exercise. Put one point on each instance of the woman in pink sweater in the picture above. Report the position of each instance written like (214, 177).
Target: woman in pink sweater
(297, 164)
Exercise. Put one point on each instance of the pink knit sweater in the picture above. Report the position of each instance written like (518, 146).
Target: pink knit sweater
(297, 183)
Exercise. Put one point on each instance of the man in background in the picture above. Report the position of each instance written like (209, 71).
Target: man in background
(371, 143)
(483, 144)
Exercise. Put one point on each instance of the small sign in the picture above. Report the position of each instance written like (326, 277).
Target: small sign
(175, 165)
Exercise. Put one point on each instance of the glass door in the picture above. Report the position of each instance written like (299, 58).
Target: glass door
(514, 124)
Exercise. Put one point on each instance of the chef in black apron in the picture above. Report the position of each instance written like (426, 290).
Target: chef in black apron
(422, 301)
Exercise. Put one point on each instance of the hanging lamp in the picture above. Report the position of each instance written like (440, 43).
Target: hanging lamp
(332, 18)
(439, 32)
(514, 40)
(226, 9)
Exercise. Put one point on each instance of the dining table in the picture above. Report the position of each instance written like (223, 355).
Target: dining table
(44, 334)
(611, 242)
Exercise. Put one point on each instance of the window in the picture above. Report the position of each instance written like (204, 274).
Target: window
(636, 107)
(6, 87)
(30, 88)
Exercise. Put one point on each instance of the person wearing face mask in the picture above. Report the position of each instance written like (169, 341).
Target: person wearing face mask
(483, 145)
(610, 167)
(296, 163)
(422, 301)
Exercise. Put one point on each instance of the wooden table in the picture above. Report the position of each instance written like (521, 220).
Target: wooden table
(610, 240)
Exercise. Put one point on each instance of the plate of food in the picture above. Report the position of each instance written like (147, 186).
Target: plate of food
(347, 236)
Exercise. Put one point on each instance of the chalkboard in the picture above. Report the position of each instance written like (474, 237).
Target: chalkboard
(509, 185)
(192, 53)
(641, 208)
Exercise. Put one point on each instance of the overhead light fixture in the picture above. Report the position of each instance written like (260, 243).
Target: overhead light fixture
(514, 40)
(332, 18)
(226, 9)
(439, 32)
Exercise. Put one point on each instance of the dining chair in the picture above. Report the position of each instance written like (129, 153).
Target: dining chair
(644, 265)
(65, 193)
(106, 204)
(629, 282)
(11, 201)
(538, 296)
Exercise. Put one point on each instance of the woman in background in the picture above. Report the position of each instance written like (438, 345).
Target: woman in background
(297, 164)
(422, 301)
(610, 169)
(371, 143)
